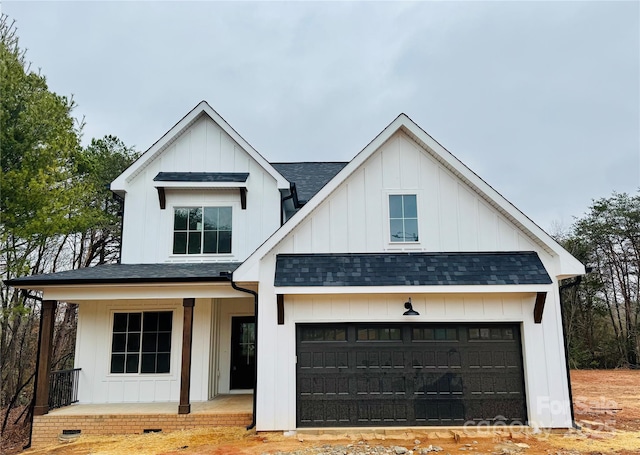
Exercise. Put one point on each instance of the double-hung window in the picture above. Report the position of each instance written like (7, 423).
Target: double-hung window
(403, 218)
(202, 230)
(141, 342)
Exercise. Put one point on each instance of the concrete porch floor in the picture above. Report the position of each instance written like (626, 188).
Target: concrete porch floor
(222, 404)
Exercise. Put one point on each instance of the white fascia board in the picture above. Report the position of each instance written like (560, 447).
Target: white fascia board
(197, 185)
(409, 290)
(80, 293)
(248, 270)
(119, 185)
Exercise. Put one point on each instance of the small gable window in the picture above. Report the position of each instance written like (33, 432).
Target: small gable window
(403, 218)
(141, 342)
(202, 230)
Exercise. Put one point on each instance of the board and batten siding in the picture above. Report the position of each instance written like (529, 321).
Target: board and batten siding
(93, 354)
(203, 147)
(452, 217)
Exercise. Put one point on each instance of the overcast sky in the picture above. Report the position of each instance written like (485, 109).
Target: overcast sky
(541, 99)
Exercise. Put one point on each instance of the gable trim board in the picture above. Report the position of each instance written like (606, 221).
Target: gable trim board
(568, 265)
(120, 184)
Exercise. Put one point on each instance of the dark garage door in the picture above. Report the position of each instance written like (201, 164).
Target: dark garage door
(408, 374)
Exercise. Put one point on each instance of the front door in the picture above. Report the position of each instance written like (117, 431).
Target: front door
(243, 350)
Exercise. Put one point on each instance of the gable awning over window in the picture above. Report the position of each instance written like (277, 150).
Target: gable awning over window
(191, 180)
(410, 269)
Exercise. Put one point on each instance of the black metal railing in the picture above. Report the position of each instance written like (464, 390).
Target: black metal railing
(63, 388)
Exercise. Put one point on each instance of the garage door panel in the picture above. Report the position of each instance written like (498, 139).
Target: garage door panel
(411, 374)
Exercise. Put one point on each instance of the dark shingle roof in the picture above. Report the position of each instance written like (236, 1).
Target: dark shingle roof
(201, 177)
(133, 273)
(309, 177)
(410, 269)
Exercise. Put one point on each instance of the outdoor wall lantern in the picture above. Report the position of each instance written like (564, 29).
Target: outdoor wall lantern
(409, 307)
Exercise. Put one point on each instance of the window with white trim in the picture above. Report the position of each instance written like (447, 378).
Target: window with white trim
(202, 230)
(141, 342)
(403, 218)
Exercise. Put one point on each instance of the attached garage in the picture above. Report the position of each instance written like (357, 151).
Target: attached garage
(406, 374)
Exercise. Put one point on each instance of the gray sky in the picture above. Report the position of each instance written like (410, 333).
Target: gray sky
(541, 99)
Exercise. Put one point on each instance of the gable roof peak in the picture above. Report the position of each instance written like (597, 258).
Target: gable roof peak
(120, 184)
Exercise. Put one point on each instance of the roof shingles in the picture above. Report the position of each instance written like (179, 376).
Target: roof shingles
(134, 273)
(410, 269)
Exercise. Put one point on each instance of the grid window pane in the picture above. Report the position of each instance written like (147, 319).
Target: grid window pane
(165, 319)
(397, 231)
(149, 342)
(119, 341)
(133, 342)
(403, 218)
(179, 242)
(132, 363)
(211, 218)
(410, 206)
(180, 216)
(202, 230)
(395, 206)
(144, 345)
(148, 363)
(162, 363)
(195, 219)
(225, 219)
(117, 363)
(210, 242)
(135, 320)
(224, 242)
(151, 322)
(194, 242)
(120, 322)
(164, 341)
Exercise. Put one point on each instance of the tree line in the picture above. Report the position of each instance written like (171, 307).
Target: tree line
(56, 214)
(601, 311)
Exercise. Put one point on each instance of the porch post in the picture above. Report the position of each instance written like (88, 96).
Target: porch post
(185, 374)
(43, 367)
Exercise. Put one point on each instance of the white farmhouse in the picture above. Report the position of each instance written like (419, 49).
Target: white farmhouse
(398, 289)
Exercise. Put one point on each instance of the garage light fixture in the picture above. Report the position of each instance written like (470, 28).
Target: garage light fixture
(409, 307)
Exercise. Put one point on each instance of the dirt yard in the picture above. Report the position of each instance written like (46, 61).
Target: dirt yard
(607, 405)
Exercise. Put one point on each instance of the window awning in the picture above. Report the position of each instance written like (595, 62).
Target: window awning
(195, 180)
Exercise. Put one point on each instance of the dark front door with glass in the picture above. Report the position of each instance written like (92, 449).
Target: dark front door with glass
(243, 351)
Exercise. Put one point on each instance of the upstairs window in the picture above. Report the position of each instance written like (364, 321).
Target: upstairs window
(403, 218)
(202, 230)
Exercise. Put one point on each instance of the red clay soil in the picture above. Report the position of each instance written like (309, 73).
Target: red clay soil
(607, 405)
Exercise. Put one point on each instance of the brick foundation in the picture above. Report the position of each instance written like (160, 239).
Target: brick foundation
(47, 428)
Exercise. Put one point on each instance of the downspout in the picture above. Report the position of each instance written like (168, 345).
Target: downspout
(293, 194)
(561, 288)
(255, 376)
(120, 199)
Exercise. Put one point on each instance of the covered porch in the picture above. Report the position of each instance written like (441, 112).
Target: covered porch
(158, 347)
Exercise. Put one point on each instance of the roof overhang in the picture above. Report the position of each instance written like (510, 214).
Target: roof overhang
(94, 292)
(201, 180)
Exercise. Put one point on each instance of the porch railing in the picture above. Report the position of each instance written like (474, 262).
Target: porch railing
(63, 388)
